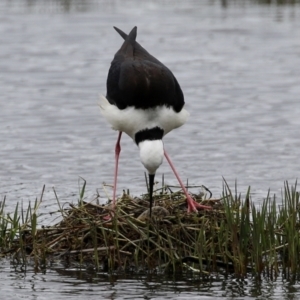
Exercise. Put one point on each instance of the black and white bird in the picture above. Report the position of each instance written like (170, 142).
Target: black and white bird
(145, 101)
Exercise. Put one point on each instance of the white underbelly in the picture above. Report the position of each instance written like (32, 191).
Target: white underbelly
(131, 120)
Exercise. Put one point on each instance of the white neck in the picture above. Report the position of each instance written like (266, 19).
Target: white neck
(151, 153)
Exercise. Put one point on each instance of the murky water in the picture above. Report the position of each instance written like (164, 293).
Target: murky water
(238, 65)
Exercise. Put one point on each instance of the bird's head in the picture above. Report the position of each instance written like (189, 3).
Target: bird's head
(151, 153)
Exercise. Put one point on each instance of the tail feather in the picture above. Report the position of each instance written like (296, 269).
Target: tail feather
(139, 51)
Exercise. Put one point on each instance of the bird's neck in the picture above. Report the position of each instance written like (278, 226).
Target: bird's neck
(151, 154)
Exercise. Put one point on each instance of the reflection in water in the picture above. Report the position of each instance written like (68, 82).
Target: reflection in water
(61, 283)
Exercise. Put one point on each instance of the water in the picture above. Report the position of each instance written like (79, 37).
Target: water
(59, 283)
(238, 65)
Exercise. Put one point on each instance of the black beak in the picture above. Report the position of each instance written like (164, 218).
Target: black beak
(151, 183)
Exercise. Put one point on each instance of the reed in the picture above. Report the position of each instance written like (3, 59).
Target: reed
(235, 236)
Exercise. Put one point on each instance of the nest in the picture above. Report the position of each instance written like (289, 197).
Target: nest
(125, 238)
(234, 236)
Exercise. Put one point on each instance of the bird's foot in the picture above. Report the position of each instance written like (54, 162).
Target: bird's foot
(193, 206)
(107, 217)
(111, 208)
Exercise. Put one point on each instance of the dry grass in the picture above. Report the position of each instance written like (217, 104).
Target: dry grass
(234, 236)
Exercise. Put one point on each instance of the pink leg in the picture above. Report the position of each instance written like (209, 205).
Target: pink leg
(117, 154)
(192, 205)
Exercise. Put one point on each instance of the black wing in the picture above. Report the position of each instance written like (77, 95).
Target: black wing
(136, 78)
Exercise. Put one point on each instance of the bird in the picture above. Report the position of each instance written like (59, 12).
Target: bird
(145, 101)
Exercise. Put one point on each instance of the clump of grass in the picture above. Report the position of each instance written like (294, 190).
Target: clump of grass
(234, 236)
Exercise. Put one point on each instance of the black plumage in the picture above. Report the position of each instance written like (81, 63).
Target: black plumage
(138, 79)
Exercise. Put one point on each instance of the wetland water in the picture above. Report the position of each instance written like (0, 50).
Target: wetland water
(238, 65)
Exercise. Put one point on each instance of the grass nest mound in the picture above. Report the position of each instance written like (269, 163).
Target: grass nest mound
(126, 237)
(234, 234)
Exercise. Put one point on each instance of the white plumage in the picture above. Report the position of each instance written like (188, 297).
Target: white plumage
(131, 120)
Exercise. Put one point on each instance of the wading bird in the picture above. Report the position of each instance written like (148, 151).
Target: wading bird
(145, 101)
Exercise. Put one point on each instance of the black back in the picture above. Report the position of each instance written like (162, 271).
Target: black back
(136, 78)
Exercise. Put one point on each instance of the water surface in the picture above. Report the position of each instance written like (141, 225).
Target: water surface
(66, 283)
(238, 65)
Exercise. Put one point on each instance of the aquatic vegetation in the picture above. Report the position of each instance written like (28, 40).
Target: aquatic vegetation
(235, 236)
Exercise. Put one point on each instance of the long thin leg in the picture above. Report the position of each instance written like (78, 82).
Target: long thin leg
(192, 205)
(117, 154)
